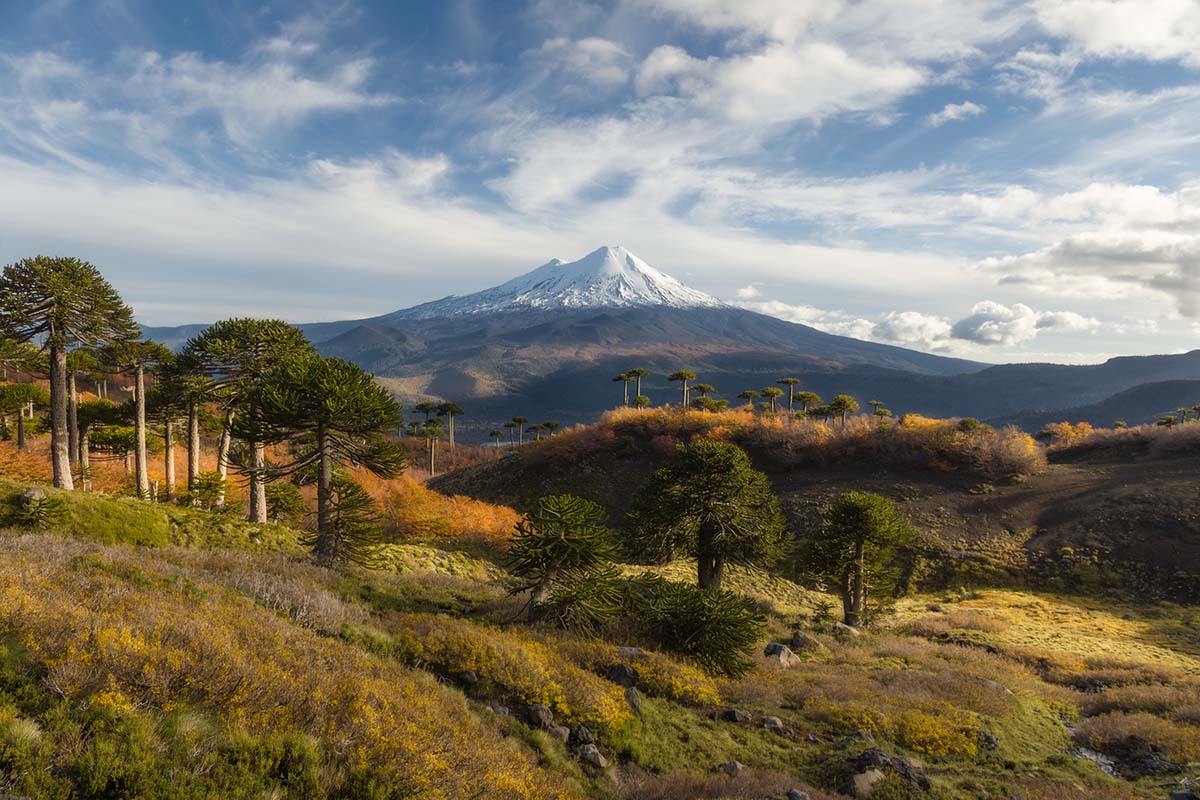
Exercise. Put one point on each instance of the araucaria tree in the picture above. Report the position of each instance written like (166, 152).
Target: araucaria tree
(807, 400)
(682, 377)
(636, 374)
(842, 405)
(450, 410)
(624, 379)
(234, 356)
(331, 412)
(773, 393)
(791, 384)
(857, 550)
(136, 356)
(711, 504)
(749, 395)
(61, 303)
(562, 541)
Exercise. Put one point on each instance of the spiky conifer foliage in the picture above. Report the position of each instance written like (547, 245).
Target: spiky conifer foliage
(61, 303)
(708, 503)
(354, 531)
(563, 541)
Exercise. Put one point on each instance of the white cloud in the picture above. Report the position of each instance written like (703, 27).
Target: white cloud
(1156, 30)
(992, 323)
(956, 112)
(748, 292)
(593, 60)
(912, 328)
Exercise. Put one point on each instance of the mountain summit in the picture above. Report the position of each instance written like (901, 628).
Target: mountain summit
(610, 277)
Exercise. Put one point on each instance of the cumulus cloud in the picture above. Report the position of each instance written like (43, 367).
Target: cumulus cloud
(992, 323)
(593, 60)
(1155, 30)
(748, 292)
(912, 328)
(956, 112)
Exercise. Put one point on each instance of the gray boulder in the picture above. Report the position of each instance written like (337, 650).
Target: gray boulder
(590, 754)
(796, 794)
(733, 715)
(634, 698)
(781, 654)
(862, 784)
(583, 735)
(842, 629)
(539, 716)
(803, 643)
(560, 732)
(773, 724)
(732, 768)
(31, 496)
(628, 653)
(622, 674)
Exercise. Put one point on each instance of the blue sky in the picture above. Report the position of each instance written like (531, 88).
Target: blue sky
(993, 179)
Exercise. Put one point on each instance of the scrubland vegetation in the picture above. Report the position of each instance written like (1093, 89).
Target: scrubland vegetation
(362, 635)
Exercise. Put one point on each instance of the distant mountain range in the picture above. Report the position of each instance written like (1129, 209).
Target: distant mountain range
(547, 344)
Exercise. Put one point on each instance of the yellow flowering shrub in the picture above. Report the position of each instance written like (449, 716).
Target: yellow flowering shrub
(151, 645)
(658, 674)
(529, 670)
(845, 717)
(944, 732)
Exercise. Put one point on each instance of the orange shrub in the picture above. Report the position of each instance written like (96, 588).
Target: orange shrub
(414, 512)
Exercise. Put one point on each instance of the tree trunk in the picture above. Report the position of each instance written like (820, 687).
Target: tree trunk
(326, 547)
(84, 461)
(193, 448)
(169, 457)
(21, 430)
(854, 610)
(540, 594)
(791, 396)
(73, 419)
(450, 424)
(639, 386)
(139, 426)
(223, 454)
(258, 484)
(710, 567)
(625, 391)
(59, 438)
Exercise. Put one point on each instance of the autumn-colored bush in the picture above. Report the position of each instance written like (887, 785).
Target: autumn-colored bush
(413, 512)
(1117, 732)
(944, 731)
(658, 674)
(522, 668)
(912, 441)
(1152, 699)
(111, 633)
(1154, 441)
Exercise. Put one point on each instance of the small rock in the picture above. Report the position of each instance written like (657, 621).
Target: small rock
(560, 732)
(732, 768)
(539, 716)
(796, 794)
(497, 708)
(873, 757)
(773, 724)
(465, 678)
(862, 784)
(33, 494)
(812, 738)
(802, 643)
(782, 654)
(622, 674)
(733, 715)
(987, 741)
(590, 754)
(1183, 794)
(583, 735)
(843, 629)
(634, 698)
(630, 652)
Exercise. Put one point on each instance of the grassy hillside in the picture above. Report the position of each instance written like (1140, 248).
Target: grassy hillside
(157, 652)
(1107, 513)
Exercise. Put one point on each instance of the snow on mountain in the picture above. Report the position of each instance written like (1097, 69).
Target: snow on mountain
(610, 277)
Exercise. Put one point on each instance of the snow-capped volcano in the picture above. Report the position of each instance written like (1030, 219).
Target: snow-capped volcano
(610, 277)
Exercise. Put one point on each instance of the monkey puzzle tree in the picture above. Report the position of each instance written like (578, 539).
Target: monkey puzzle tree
(750, 395)
(705, 403)
(636, 374)
(843, 405)
(135, 356)
(168, 408)
(682, 377)
(450, 411)
(857, 549)
(772, 393)
(791, 384)
(641, 401)
(185, 383)
(807, 400)
(709, 503)
(550, 426)
(520, 423)
(428, 408)
(61, 303)
(511, 427)
(563, 540)
(234, 355)
(432, 430)
(624, 379)
(14, 398)
(92, 414)
(333, 413)
(17, 356)
(497, 434)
